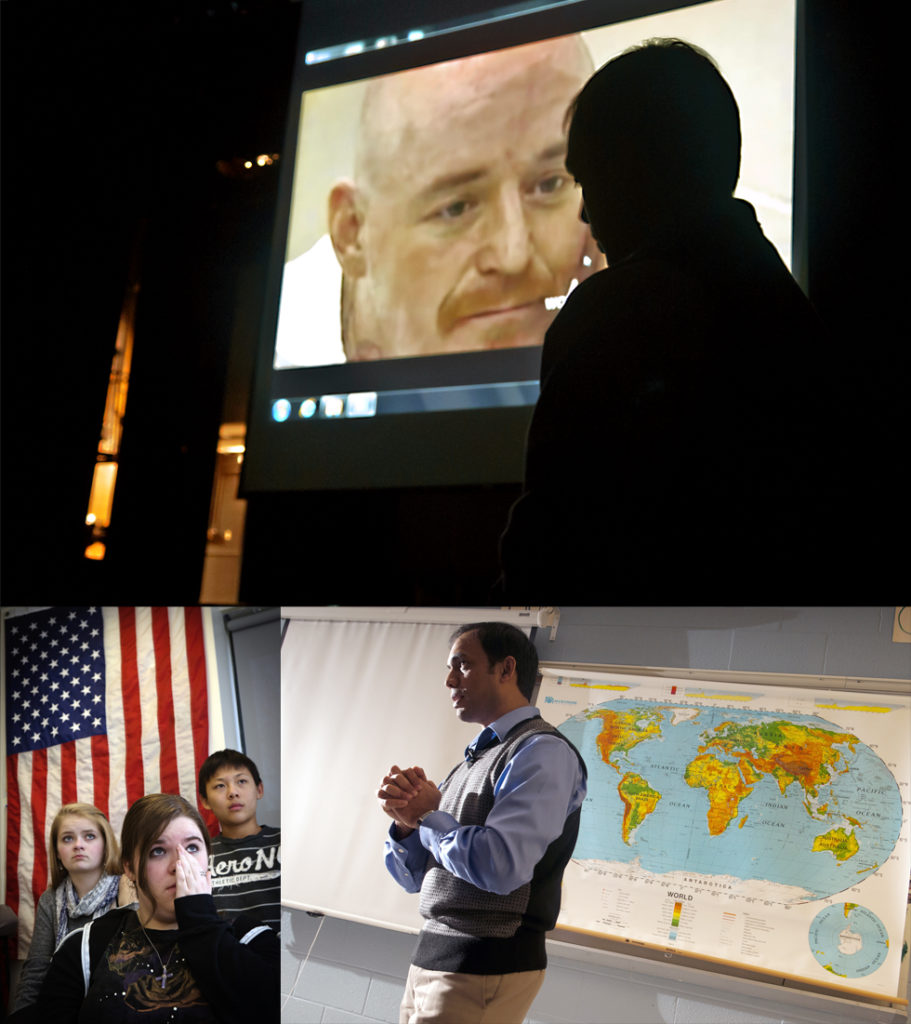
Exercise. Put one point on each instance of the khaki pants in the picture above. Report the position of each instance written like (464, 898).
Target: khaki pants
(442, 998)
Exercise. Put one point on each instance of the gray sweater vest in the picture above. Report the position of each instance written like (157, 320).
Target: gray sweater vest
(473, 931)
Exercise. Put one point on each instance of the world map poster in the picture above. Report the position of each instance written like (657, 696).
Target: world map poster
(765, 826)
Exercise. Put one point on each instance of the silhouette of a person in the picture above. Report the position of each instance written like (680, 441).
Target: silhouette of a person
(684, 422)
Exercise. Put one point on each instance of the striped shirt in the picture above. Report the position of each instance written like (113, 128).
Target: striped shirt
(246, 875)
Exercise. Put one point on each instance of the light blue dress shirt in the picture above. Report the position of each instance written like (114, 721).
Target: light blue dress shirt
(540, 786)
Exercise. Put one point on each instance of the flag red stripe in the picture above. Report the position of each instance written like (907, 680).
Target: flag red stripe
(14, 831)
(101, 770)
(132, 717)
(39, 809)
(167, 758)
(69, 791)
(199, 700)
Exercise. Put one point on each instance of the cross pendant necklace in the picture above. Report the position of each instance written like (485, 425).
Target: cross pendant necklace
(164, 976)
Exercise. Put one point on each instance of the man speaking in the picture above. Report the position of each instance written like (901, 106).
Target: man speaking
(459, 223)
(487, 849)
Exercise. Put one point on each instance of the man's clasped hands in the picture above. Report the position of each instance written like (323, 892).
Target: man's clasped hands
(407, 794)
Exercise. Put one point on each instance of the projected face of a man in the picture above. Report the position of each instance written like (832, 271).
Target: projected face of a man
(464, 221)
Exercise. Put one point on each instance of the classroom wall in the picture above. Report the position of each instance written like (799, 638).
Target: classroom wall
(254, 638)
(341, 972)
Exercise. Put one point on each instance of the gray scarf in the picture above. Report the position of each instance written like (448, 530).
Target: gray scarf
(95, 903)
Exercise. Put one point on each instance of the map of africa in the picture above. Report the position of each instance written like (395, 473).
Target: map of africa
(766, 828)
(793, 801)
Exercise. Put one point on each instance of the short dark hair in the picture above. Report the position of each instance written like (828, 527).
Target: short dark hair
(666, 103)
(501, 640)
(225, 759)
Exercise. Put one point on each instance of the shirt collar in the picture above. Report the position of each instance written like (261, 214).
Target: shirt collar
(501, 726)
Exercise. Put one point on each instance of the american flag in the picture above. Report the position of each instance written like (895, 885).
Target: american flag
(103, 705)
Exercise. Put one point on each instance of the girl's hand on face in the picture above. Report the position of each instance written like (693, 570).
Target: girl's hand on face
(192, 878)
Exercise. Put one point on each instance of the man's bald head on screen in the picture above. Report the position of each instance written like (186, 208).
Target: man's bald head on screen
(462, 219)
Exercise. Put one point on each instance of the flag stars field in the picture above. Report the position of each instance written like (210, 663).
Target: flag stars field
(55, 684)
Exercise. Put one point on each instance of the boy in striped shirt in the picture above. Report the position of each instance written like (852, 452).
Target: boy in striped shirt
(246, 856)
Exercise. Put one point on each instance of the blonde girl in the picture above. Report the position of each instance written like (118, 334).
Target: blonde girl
(84, 861)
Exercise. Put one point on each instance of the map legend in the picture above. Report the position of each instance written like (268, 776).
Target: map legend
(728, 931)
(675, 921)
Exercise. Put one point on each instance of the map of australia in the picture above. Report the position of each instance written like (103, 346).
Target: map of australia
(791, 801)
